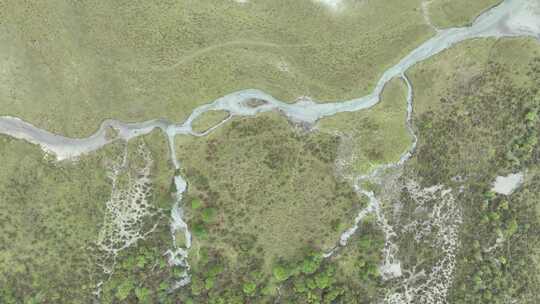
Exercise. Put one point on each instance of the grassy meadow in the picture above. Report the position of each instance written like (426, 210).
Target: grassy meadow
(456, 13)
(66, 66)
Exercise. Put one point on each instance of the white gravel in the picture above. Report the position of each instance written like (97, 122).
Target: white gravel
(507, 184)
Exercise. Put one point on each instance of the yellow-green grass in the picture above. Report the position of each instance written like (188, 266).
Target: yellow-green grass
(466, 83)
(375, 136)
(208, 119)
(66, 66)
(434, 78)
(51, 214)
(454, 13)
(273, 189)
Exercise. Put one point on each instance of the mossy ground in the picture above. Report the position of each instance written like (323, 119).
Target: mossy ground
(66, 66)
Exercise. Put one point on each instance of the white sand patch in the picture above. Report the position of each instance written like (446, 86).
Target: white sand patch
(391, 270)
(427, 16)
(436, 225)
(128, 208)
(333, 4)
(507, 184)
(283, 66)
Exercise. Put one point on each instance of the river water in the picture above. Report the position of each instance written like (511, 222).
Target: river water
(512, 18)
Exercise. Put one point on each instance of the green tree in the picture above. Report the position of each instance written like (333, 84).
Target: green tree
(511, 228)
(197, 286)
(208, 215)
(300, 285)
(209, 283)
(196, 204)
(199, 231)
(311, 264)
(124, 289)
(281, 273)
(142, 294)
(249, 288)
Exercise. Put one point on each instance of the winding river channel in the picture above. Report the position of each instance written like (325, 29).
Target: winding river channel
(512, 18)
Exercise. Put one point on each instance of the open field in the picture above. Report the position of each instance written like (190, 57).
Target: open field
(66, 66)
(57, 219)
(454, 13)
(375, 136)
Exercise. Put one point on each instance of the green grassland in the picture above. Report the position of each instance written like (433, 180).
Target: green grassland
(477, 118)
(66, 66)
(262, 191)
(375, 136)
(453, 13)
(266, 197)
(208, 119)
(462, 65)
(52, 213)
(495, 67)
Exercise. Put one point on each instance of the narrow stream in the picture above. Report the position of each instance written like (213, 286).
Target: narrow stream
(511, 18)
